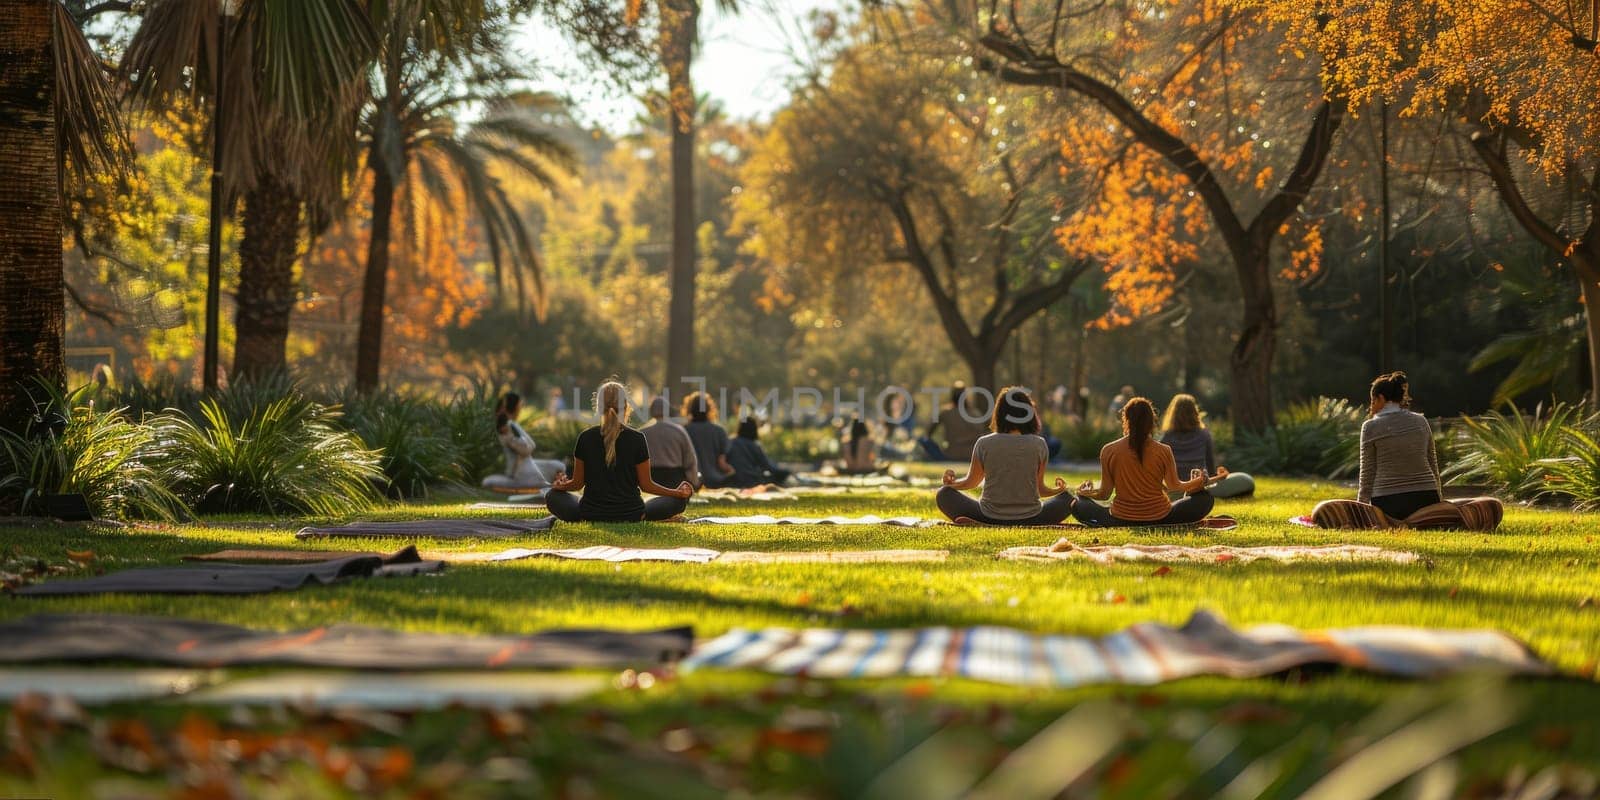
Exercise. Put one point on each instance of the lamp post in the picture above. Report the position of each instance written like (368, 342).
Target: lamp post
(214, 233)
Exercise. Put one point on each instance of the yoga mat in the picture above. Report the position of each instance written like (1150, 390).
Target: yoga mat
(834, 557)
(1142, 654)
(511, 506)
(232, 578)
(695, 555)
(1218, 523)
(435, 529)
(403, 692)
(1218, 554)
(182, 642)
(760, 493)
(89, 686)
(763, 519)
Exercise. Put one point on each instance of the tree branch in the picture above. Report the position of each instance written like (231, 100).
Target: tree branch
(1493, 157)
(1313, 156)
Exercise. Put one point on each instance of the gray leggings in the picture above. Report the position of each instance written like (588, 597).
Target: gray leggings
(1190, 508)
(956, 503)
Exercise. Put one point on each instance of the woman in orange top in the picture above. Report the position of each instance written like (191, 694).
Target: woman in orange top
(1139, 471)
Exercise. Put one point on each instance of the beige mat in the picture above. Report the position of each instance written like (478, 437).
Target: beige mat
(833, 557)
(1219, 554)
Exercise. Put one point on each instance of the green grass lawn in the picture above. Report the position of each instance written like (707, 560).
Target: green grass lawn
(1534, 579)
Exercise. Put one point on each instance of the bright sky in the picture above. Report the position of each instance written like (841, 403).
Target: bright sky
(745, 62)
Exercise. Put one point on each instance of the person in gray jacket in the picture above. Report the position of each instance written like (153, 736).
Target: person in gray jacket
(1399, 466)
(672, 456)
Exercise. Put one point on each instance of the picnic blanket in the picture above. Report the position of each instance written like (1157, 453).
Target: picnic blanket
(168, 640)
(1217, 523)
(1142, 654)
(862, 481)
(1474, 514)
(763, 493)
(694, 555)
(605, 553)
(434, 529)
(234, 578)
(1217, 554)
(870, 519)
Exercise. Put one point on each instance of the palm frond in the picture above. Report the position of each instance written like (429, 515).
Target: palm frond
(311, 52)
(93, 134)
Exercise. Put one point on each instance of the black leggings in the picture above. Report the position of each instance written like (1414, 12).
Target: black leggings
(1402, 505)
(1189, 508)
(956, 503)
(565, 506)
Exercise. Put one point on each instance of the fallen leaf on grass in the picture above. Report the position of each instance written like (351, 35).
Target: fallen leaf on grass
(807, 743)
(1223, 558)
(1162, 572)
(80, 556)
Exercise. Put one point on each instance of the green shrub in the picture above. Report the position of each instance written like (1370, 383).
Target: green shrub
(286, 456)
(1320, 437)
(416, 450)
(1510, 453)
(1082, 439)
(555, 437)
(801, 444)
(468, 420)
(117, 464)
(1577, 475)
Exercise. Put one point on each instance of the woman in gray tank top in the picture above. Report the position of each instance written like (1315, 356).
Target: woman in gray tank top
(1009, 463)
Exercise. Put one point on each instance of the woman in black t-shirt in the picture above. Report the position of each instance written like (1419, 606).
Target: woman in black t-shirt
(611, 465)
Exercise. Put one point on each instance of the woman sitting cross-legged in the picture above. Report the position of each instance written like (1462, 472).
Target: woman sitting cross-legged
(611, 465)
(751, 466)
(1009, 462)
(1400, 473)
(1183, 429)
(1135, 471)
(522, 470)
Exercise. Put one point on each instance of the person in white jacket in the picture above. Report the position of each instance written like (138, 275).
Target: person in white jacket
(522, 470)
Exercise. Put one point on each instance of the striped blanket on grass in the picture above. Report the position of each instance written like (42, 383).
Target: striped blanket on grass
(1142, 654)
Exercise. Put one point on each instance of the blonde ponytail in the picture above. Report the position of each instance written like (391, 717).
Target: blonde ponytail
(611, 400)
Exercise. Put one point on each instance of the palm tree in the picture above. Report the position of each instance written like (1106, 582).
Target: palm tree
(679, 34)
(57, 120)
(286, 80)
(414, 143)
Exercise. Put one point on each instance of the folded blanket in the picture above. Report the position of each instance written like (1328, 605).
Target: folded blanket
(435, 529)
(1217, 554)
(167, 640)
(1142, 654)
(1474, 514)
(763, 519)
(233, 578)
(694, 555)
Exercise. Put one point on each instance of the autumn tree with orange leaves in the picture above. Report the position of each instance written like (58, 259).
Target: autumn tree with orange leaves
(1238, 126)
(1522, 80)
(922, 165)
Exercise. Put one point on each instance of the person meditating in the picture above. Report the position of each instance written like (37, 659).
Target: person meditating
(1009, 462)
(709, 439)
(860, 452)
(1399, 482)
(522, 470)
(1135, 471)
(961, 425)
(1399, 466)
(611, 465)
(1183, 429)
(751, 465)
(672, 457)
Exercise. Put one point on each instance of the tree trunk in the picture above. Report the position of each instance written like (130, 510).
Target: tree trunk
(31, 293)
(1251, 360)
(266, 279)
(983, 371)
(369, 337)
(678, 52)
(1589, 279)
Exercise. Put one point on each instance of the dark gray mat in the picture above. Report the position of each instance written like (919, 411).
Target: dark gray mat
(238, 578)
(165, 640)
(435, 529)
